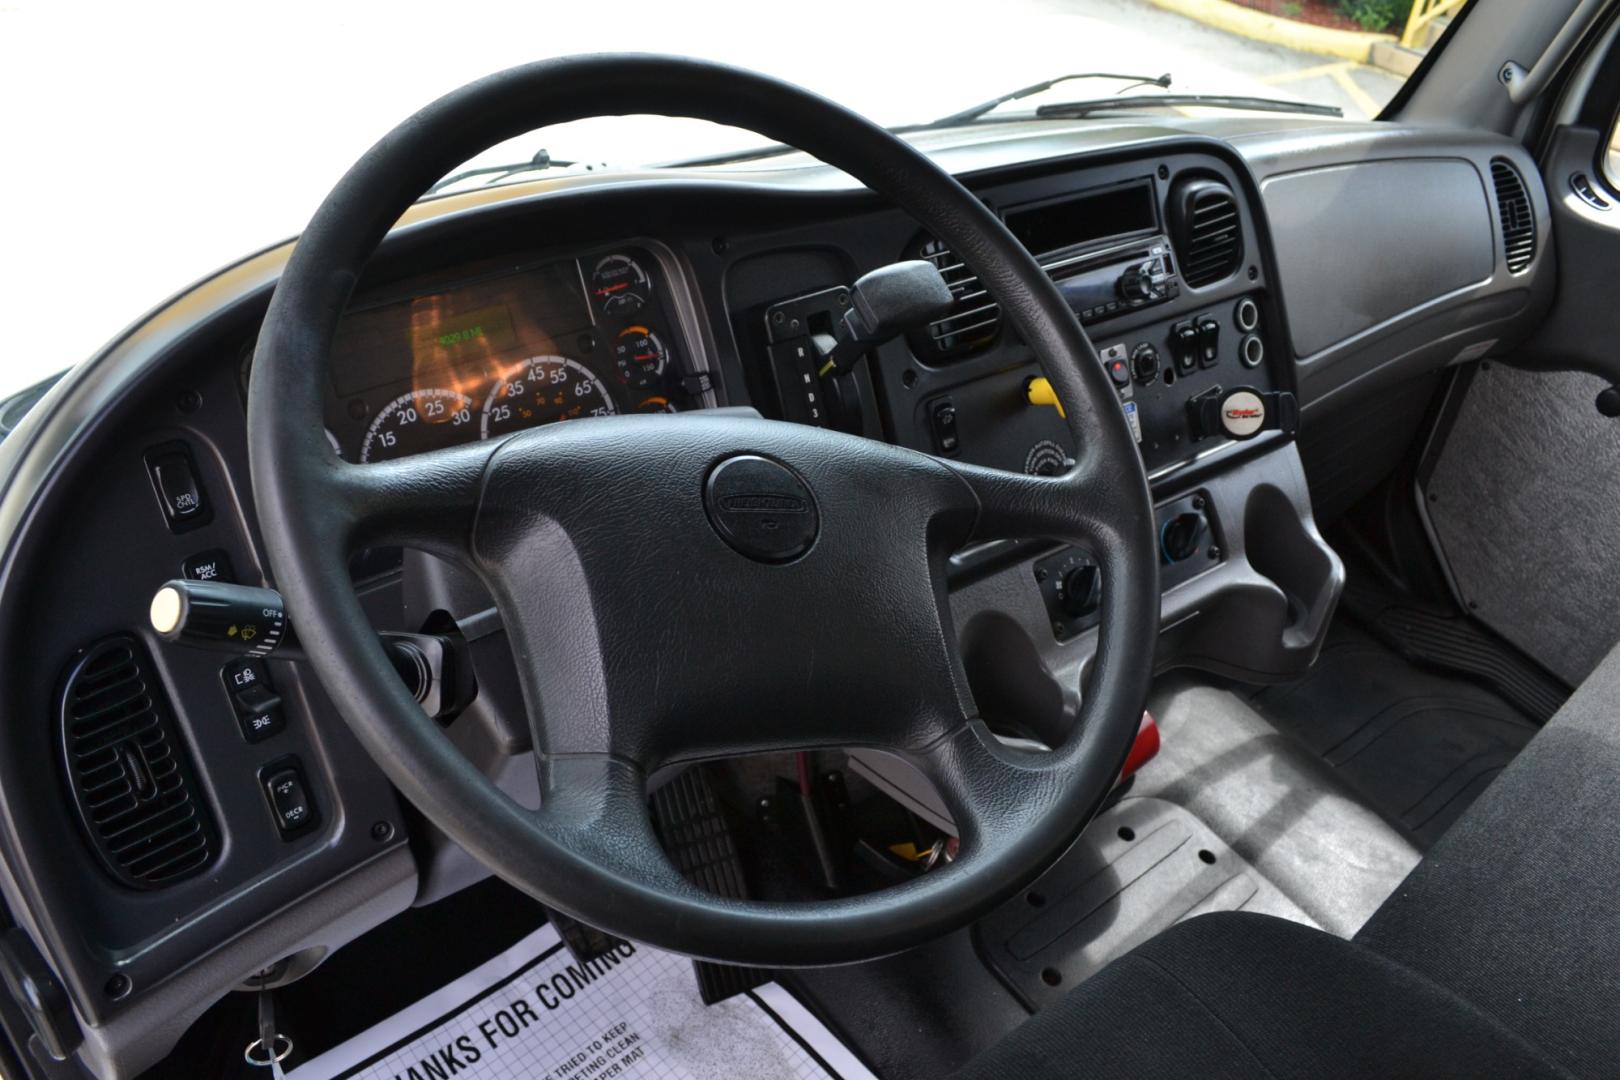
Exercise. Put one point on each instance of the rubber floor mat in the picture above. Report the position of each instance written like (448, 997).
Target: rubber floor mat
(1418, 745)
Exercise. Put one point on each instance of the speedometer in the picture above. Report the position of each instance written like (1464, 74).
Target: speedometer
(543, 390)
(418, 421)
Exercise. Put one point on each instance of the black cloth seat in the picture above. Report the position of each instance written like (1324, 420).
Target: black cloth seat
(1231, 996)
(1499, 956)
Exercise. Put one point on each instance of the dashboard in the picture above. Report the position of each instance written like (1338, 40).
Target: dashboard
(1192, 251)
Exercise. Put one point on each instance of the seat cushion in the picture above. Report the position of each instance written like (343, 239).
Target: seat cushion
(1240, 995)
(1517, 908)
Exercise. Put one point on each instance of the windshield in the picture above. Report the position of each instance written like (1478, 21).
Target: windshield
(149, 144)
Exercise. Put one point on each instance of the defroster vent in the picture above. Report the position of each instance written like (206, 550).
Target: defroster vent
(1517, 215)
(128, 771)
(1206, 230)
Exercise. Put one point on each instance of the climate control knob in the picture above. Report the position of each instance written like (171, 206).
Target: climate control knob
(1181, 537)
(1145, 363)
(1082, 591)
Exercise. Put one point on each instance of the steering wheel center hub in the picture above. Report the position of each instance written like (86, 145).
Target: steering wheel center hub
(762, 508)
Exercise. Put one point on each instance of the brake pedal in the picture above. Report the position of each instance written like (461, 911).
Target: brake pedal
(586, 943)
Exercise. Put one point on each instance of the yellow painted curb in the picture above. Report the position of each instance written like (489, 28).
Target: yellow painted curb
(1301, 37)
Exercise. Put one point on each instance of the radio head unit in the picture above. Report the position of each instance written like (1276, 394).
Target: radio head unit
(1105, 248)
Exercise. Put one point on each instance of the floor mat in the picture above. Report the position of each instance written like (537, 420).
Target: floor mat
(533, 1013)
(1418, 745)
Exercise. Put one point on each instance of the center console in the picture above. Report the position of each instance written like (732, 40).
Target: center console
(1166, 264)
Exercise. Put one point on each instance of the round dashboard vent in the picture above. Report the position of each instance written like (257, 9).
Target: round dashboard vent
(1206, 230)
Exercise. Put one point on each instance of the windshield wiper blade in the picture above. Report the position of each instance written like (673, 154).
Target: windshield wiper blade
(541, 161)
(967, 116)
(1074, 110)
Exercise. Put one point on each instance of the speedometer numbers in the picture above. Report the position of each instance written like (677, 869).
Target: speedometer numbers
(619, 286)
(418, 421)
(543, 390)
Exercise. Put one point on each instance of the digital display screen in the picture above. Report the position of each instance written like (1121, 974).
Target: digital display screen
(1087, 218)
(462, 335)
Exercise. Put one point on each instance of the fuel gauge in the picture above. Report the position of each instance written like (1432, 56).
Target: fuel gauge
(619, 285)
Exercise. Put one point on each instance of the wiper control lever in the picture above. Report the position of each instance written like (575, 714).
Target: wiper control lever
(251, 622)
(238, 619)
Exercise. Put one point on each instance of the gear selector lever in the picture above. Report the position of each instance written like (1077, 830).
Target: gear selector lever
(883, 304)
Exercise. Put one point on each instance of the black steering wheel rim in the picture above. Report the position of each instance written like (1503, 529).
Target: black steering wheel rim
(589, 853)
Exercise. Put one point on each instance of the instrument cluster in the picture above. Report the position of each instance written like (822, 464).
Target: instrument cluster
(592, 336)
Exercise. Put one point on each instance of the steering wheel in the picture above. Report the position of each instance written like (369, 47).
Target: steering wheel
(684, 588)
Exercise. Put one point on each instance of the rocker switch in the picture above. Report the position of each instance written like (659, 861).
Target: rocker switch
(1209, 342)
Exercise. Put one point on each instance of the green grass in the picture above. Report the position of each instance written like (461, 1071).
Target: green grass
(1377, 14)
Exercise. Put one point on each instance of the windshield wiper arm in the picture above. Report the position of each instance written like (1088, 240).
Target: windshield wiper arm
(1074, 110)
(541, 161)
(967, 116)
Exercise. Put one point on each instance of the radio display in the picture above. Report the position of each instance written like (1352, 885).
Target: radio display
(1097, 215)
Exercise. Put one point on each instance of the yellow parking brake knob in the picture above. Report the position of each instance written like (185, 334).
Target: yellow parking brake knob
(1040, 392)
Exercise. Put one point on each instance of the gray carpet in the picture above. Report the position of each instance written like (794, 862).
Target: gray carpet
(1523, 502)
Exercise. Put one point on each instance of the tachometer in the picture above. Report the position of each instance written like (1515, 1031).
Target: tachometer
(543, 390)
(641, 356)
(419, 421)
(619, 285)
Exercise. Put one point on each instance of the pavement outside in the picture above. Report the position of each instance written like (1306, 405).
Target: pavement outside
(149, 144)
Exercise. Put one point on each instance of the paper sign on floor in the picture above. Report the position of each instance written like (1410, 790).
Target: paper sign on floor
(533, 1013)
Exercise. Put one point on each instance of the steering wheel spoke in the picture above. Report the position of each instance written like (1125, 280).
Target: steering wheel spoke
(428, 501)
(1074, 507)
(993, 791)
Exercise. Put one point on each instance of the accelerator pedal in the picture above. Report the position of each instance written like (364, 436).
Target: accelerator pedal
(697, 837)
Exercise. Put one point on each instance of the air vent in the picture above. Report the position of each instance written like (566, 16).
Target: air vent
(1518, 217)
(128, 771)
(974, 320)
(1206, 229)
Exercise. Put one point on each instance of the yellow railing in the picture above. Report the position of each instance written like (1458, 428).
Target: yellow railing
(1425, 12)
